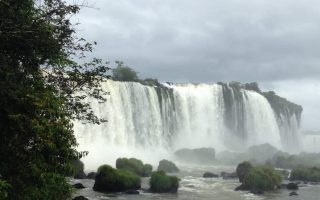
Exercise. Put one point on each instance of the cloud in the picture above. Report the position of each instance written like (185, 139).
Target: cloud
(268, 41)
(303, 92)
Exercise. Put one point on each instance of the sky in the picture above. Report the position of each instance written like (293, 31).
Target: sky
(273, 42)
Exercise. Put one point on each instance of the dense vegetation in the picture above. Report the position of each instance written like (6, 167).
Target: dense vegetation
(161, 183)
(134, 165)
(42, 89)
(262, 178)
(109, 179)
(305, 174)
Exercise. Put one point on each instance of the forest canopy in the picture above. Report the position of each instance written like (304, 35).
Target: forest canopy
(41, 78)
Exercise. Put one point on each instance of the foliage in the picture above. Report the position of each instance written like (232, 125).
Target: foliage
(262, 178)
(134, 165)
(150, 82)
(146, 170)
(124, 73)
(243, 169)
(161, 183)
(76, 167)
(252, 86)
(306, 174)
(109, 179)
(42, 88)
(49, 186)
(167, 166)
(4, 187)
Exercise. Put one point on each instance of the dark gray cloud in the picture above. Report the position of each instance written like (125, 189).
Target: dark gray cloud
(210, 40)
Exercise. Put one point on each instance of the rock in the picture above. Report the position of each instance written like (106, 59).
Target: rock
(226, 175)
(92, 175)
(306, 174)
(293, 194)
(292, 186)
(260, 153)
(77, 170)
(241, 188)
(263, 178)
(200, 155)
(167, 166)
(109, 179)
(80, 198)
(257, 191)
(243, 169)
(80, 175)
(132, 192)
(134, 165)
(78, 186)
(210, 175)
(161, 183)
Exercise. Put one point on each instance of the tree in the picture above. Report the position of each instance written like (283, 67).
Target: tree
(124, 73)
(42, 88)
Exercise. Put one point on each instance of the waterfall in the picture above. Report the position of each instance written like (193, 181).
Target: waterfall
(151, 122)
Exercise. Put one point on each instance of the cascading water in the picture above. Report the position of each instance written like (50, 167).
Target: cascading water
(151, 122)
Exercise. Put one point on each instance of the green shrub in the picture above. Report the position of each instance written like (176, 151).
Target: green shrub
(146, 170)
(306, 174)
(161, 183)
(4, 187)
(134, 165)
(243, 169)
(262, 178)
(124, 73)
(50, 186)
(109, 179)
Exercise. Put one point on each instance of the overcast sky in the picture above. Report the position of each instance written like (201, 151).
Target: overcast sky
(273, 42)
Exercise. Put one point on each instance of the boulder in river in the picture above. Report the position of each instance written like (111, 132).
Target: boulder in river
(227, 175)
(78, 186)
(80, 198)
(109, 179)
(210, 175)
(167, 166)
(293, 194)
(92, 175)
(199, 155)
(162, 183)
(292, 186)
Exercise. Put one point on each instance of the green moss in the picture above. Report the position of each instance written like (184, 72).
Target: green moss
(262, 178)
(134, 165)
(161, 183)
(4, 187)
(306, 174)
(109, 179)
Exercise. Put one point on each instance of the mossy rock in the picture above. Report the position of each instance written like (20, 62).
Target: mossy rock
(210, 175)
(243, 169)
(109, 179)
(77, 170)
(310, 174)
(161, 183)
(134, 165)
(167, 166)
(262, 178)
